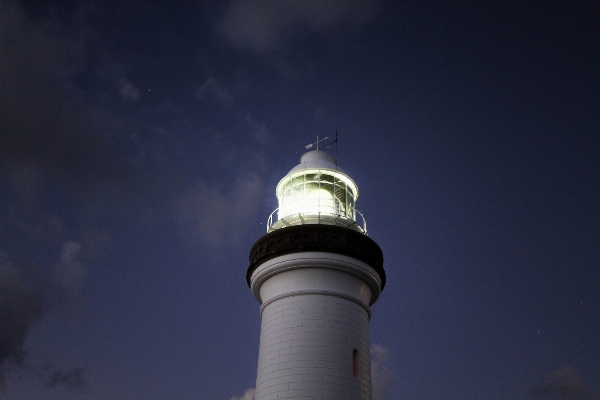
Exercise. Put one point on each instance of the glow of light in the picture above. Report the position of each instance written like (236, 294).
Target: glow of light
(312, 202)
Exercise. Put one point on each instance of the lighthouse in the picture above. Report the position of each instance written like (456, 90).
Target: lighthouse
(316, 274)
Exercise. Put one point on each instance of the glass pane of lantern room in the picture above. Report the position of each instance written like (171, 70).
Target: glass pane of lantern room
(318, 196)
(340, 196)
(350, 204)
(286, 199)
(326, 195)
(297, 188)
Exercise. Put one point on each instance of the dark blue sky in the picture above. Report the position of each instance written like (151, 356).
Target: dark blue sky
(140, 147)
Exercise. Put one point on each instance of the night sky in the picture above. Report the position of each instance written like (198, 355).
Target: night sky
(141, 143)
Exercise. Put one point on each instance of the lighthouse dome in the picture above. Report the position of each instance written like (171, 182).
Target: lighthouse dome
(317, 159)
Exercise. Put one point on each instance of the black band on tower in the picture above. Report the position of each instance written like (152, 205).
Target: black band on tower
(314, 237)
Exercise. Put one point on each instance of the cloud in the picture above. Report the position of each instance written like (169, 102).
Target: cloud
(21, 306)
(128, 92)
(266, 25)
(70, 273)
(24, 299)
(259, 132)
(43, 125)
(248, 395)
(564, 384)
(213, 214)
(382, 377)
(72, 379)
(212, 89)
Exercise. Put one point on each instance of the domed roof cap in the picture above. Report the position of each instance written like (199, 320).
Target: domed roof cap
(318, 160)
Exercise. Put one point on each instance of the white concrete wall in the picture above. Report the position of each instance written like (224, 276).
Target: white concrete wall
(315, 280)
(322, 261)
(314, 313)
(306, 348)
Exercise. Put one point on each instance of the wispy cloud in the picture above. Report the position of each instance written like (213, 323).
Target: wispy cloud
(42, 126)
(265, 25)
(213, 214)
(21, 306)
(72, 379)
(248, 395)
(128, 92)
(213, 90)
(24, 299)
(382, 377)
(69, 272)
(259, 132)
(564, 384)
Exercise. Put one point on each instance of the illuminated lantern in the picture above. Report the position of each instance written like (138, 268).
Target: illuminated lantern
(317, 191)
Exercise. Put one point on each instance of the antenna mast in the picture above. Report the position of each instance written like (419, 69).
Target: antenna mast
(308, 146)
(336, 144)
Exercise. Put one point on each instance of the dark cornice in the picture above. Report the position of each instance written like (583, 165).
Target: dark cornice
(314, 237)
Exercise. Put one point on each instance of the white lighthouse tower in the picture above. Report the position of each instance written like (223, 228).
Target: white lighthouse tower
(315, 273)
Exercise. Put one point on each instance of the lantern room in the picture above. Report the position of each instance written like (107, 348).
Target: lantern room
(317, 191)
